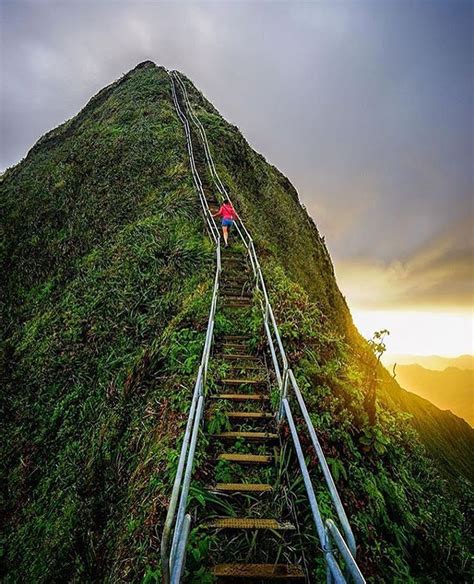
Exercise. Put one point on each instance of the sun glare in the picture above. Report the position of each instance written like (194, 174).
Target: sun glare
(420, 333)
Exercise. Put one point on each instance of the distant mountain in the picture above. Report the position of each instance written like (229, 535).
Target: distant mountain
(451, 389)
(447, 437)
(434, 362)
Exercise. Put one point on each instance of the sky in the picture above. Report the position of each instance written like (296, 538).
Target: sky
(367, 106)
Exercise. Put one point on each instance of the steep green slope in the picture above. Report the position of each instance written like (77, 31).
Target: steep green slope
(104, 306)
(104, 309)
(282, 229)
(384, 472)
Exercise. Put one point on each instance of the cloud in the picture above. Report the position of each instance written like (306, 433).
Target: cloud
(437, 275)
(365, 106)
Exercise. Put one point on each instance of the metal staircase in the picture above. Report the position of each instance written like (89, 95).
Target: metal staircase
(249, 448)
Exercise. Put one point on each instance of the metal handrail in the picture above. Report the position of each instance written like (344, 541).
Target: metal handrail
(284, 375)
(173, 559)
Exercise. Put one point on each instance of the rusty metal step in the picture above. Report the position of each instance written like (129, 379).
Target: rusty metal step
(242, 488)
(252, 572)
(250, 436)
(241, 396)
(246, 458)
(249, 523)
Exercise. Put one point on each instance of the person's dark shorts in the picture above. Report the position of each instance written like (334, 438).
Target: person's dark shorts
(227, 222)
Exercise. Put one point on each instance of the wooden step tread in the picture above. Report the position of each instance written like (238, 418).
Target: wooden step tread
(259, 571)
(243, 487)
(251, 415)
(236, 337)
(241, 396)
(249, 523)
(246, 458)
(246, 435)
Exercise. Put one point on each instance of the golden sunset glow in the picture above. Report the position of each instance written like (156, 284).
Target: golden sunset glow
(420, 332)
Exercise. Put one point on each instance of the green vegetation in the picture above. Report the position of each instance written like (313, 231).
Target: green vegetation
(104, 311)
(283, 229)
(396, 500)
(106, 305)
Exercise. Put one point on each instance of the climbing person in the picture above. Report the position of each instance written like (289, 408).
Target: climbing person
(228, 215)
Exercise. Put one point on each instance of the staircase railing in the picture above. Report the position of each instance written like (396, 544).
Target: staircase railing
(327, 530)
(177, 521)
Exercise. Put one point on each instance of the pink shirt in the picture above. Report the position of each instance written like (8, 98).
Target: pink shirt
(227, 212)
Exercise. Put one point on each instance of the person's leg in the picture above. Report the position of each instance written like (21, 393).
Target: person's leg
(225, 232)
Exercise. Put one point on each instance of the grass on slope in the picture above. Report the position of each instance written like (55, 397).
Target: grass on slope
(104, 313)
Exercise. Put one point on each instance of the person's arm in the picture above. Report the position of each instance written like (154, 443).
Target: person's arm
(218, 213)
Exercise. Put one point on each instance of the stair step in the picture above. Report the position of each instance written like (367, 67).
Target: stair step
(243, 487)
(252, 369)
(244, 356)
(236, 283)
(250, 415)
(233, 293)
(236, 337)
(238, 298)
(242, 381)
(251, 436)
(249, 523)
(244, 346)
(251, 572)
(246, 458)
(241, 396)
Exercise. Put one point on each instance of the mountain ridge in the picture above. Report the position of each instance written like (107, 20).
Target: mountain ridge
(105, 306)
(434, 362)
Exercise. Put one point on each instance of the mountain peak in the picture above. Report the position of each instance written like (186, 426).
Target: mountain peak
(109, 282)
